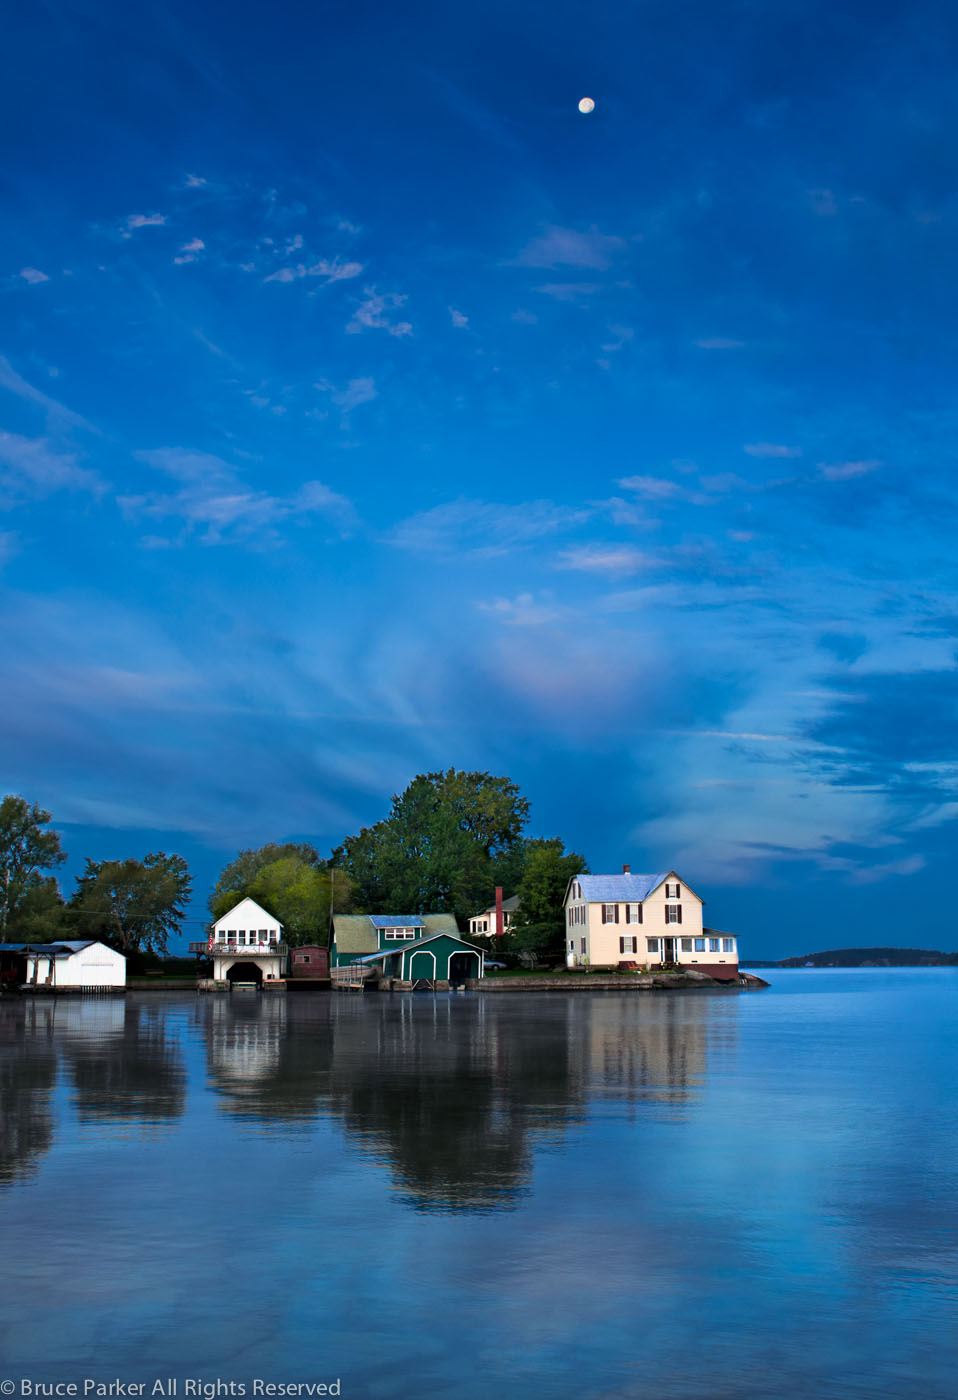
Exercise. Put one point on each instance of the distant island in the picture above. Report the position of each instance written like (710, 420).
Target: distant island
(866, 957)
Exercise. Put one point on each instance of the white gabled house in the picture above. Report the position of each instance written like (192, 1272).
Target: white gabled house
(652, 920)
(247, 945)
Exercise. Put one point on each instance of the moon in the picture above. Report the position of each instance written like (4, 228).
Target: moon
(586, 105)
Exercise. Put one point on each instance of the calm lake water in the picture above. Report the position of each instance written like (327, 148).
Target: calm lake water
(605, 1195)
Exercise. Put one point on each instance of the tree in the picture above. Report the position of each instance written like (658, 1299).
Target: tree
(291, 883)
(236, 877)
(26, 850)
(135, 906)
(40, 916)
(539, 923)
(440, 847)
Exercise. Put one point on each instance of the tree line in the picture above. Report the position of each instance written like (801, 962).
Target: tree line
(445, 844)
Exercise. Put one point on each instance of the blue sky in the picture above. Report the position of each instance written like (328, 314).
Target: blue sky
(365, 409)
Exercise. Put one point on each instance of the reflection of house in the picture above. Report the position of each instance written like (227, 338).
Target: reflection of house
(71, 965)
(246, 945)
(412, 947)
(483, 924)
(653, 920)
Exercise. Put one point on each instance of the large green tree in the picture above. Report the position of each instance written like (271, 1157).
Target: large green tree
(539, 922)
(27, 849)
(134, 905)
(444, 842)
(292, 883)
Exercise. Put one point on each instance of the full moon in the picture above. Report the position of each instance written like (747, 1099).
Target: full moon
(586, 105)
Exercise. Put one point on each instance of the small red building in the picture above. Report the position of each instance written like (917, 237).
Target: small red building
(309, 960)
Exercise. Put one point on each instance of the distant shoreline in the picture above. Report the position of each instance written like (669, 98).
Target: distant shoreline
(862, 957)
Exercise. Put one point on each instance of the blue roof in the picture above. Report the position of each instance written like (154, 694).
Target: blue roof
(627, 888)
(396, 921)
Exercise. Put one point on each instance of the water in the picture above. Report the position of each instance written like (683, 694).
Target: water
(694, 1195)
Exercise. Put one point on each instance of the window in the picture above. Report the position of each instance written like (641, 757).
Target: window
(305, 958)
(582, 941)
(571, 945)
(673, 891)
(633, 913)
(652, 945)
(399, 933)
(713, 945)
(728, 945)
(673, 913)
(628, 944)
(610, 913)
(700, 945)
(686, 945)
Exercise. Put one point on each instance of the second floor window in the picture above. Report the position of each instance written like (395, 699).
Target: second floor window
(673, 913)
(610, 913)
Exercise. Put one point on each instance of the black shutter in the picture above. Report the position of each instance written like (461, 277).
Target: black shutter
(678, 891)
(621, 945)
(640, 913)
(616, 913)
(680, 913)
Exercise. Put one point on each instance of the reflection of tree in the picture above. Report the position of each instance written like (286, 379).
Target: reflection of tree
(28, 1068)
(448, 1092)
(123, 1064)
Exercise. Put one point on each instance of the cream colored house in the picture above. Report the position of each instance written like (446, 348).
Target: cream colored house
(652, 920)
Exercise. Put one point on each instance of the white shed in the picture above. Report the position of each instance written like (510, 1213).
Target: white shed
(79, 964)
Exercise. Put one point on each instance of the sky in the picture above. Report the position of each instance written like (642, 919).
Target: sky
(367, 410)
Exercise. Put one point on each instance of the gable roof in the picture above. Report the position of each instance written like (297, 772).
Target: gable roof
(253, 908)
(441, 923)
(354, 933)
(62, 948)
(607, 889)
(401, 948)
(509, 906)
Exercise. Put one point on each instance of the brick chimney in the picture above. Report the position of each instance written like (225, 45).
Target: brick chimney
(626, 870)
(498, 911)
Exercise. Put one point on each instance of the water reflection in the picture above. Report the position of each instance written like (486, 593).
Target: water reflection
(28, 1071)
(123, 1063)
(449, 1094)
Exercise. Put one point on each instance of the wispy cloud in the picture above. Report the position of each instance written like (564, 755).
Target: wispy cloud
(823, 202)
(33, 275)
(14, 383)
(771, 449)
(351, 396)
(329, 269)
(613, 559)
(719, 342)
(525, 610)
(660, 488)
(33, 467)
(214, 502)
(846, 471)
(568, 291)
(135, 221)
(481, 528)
(373, 314)
(458, 319)
(194, 182)
(188, 251)
(567, 247)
